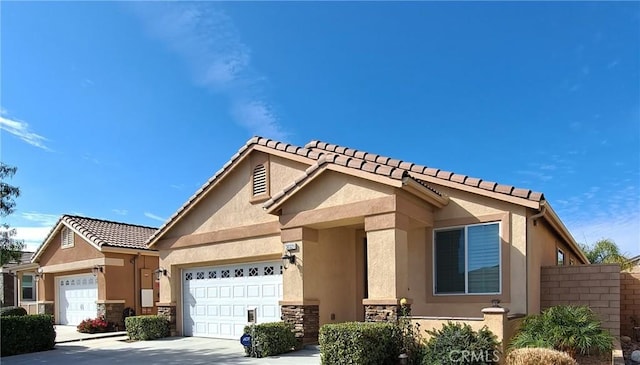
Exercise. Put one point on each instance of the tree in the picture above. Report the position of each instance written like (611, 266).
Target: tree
(605, 251)
(10, 248)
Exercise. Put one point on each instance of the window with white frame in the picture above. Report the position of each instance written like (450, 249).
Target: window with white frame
(67, 237)
(467, 260)
(27, 286)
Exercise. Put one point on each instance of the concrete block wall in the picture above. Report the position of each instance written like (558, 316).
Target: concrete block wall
(596, 286)
(629, 300)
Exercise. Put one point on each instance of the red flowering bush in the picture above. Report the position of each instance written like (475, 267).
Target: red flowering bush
(93, 325)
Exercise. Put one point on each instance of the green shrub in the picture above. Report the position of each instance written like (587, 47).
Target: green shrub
(360, 343)
(24, 334)
(458, 343)
(565, 328)
(147, 327)
(539, 356)
(270, 339)
(12, 311)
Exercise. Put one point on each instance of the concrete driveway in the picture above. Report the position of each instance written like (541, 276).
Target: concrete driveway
(172, 350)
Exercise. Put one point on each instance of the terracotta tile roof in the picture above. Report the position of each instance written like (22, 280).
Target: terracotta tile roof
(108, 233)
(349, 162)
(429, 171)
(324, 153)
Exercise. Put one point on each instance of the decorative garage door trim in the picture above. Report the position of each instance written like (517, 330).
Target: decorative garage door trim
(76, 297)
(216, 299)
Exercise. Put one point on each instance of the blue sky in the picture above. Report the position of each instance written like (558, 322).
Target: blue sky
(121, 110)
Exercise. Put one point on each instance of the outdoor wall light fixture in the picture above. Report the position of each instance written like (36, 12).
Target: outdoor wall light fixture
(39, 274)
(161, 271)
(97, 269)
(287, 259)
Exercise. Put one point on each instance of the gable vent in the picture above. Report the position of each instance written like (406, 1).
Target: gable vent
(259, 180)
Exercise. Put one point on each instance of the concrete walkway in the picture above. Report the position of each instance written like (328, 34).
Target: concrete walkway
(66, 334)
(172, 350)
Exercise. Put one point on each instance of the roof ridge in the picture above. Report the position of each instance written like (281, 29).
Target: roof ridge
(429, 171)
(107, 221)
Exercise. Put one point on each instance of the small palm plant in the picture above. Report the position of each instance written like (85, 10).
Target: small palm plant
(572, 329)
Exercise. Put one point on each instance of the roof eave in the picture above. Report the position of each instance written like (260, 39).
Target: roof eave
(412, 186)
(557, 224)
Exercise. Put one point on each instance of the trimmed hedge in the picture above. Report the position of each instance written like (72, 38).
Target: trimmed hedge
(12, 311)
(270, 339)
(360, 343)
(24, 334)
(147, 327)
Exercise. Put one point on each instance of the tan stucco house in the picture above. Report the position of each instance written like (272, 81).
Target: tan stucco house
(88, 267)
(324, 233)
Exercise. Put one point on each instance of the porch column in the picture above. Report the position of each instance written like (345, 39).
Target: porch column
(387, 266)
(300, 306)
(46, 295)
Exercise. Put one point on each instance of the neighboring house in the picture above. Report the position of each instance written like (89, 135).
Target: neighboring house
(90, 267)
(13, 287)
(635, 263)
(327, 234)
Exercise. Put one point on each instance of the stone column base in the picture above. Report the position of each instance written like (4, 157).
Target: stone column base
(112, 311)
(305, 320)
(381, 312)
(46, 308)
(169, 311)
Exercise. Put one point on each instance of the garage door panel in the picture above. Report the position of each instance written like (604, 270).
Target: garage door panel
(228, 292)
(238, 291)
(76, 299)
(212, 292)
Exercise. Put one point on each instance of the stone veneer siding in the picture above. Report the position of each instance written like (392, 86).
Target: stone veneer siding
(305, 320)
(169, 311)
(384, 313)
(112, 312)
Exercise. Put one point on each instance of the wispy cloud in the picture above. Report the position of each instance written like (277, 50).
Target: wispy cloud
(43, 219)
(605, 212)
(154, 217)
(207, 39)
(120, 211)
(32, 236)
(22, 130)
(90, 158)
(540, 175)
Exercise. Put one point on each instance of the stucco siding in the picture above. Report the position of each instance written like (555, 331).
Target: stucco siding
(332, 275)
(248, 250)
(543, 246)
(463, 209)
(333, 189)
(54, 254)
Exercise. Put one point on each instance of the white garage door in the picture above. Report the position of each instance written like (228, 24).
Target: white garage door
(216, 299)
(77, 297)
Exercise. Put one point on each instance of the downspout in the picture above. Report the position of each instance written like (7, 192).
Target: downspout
(134, 261)
(543, 211)
(533, 218)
